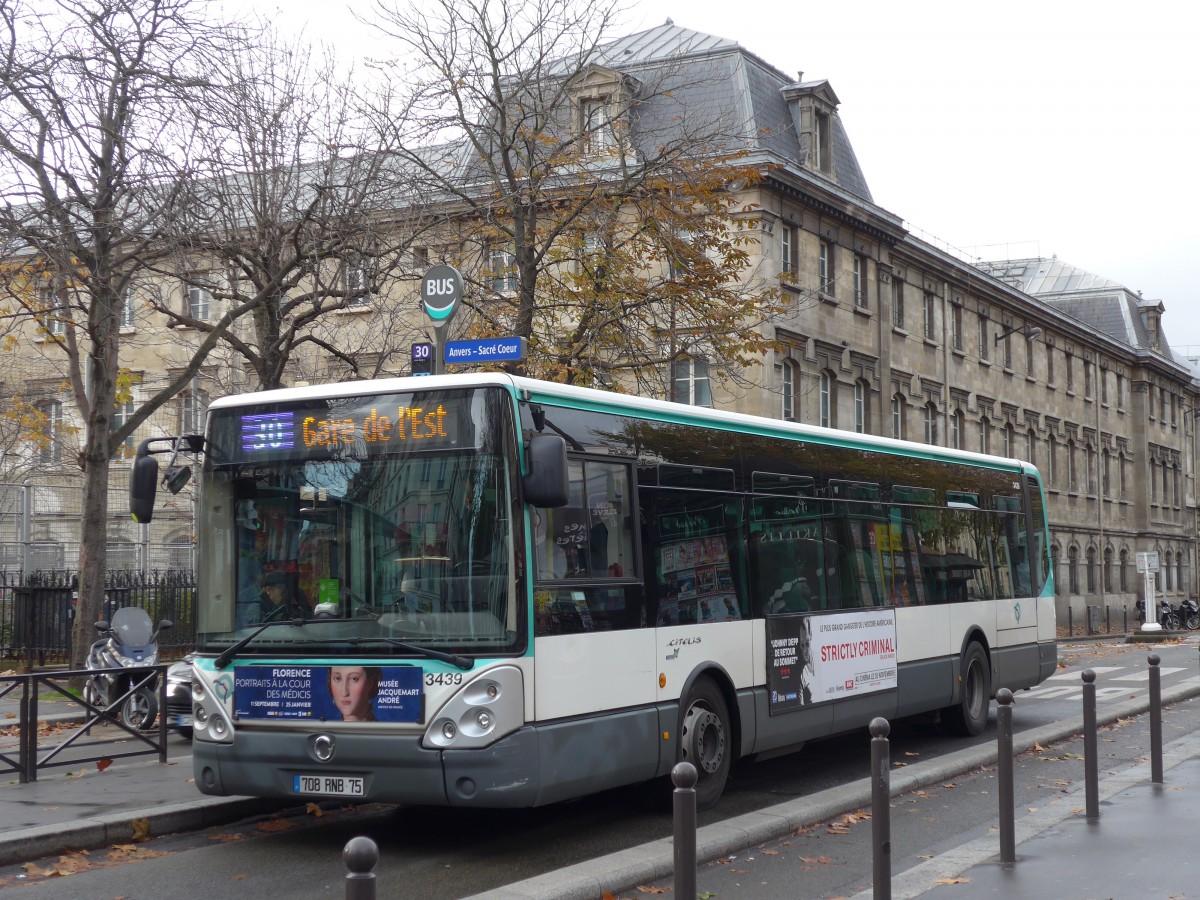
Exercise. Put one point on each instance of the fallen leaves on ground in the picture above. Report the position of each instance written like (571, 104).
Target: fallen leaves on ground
(314, 810)
(649, 889)
(959, 880)
(102, 764)
(274, 825)
(226, 837)
(141, 829)
(82, 861)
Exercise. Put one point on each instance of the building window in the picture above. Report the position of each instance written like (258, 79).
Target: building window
(1108, 570)
(122, 414)
(1104, 386)
(930, 423)
(985, 429)
(199, 301)
(787, 257)
(1123, 571)
(956, 327)
(1051, 461)
(861, 300)
(956, 429)
(1030, 447)
(1106, 473)
(822, 145)
(825, 267)
(128, 318)
(420, 258)
(502, 270)
(862, 407)
(930, 318)
(983, 337)
(1010, 441)
(1121, 474)
(786, 373)
(54, 314)
(192, 407)
(1072, 470)
(828, 399)
(1087, 379)
(1091, 570)
(1070, 373)
(51, 450)
(1073, 570)
(356, 283)
(1120, 392)
(897, 303)
(1049, 365)
(596, 125)
(1028, 357)
(691, 382)
(898, 417)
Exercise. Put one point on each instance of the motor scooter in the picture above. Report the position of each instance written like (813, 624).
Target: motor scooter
(128, 641)
(1189, 614)
(1168, 618)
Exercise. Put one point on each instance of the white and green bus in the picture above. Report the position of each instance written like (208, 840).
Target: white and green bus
(505, 592)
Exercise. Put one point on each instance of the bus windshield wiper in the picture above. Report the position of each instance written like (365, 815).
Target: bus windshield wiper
(223, 659)
(461, 662)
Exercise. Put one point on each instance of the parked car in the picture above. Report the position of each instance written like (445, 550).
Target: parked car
(179, 696)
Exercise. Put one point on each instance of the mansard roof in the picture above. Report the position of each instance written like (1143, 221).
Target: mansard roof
(1100, 303)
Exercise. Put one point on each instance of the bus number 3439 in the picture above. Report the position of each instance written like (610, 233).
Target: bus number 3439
(450, 678)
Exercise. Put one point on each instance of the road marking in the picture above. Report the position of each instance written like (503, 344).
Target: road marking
(1144, 675)
(1074, 674)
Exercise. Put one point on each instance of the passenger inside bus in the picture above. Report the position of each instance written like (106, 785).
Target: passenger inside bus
(282, 599)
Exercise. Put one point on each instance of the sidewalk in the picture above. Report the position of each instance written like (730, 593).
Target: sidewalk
(1139, 848)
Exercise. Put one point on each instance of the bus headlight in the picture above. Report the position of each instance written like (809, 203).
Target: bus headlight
(483, 711)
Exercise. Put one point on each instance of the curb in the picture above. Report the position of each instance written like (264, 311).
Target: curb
(626, 869)
(26, 844)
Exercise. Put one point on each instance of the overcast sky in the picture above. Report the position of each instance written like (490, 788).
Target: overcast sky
(1004, 129)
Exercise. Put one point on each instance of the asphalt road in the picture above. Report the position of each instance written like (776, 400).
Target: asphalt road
(437, 853)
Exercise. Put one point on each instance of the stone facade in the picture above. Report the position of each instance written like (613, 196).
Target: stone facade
(885, 333)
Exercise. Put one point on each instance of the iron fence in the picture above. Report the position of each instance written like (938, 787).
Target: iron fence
(37, 612)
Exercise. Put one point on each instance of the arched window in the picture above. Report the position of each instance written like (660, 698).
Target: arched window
(898, 405)
(985, 433)
(1106, 473)
(1072, 472)
(1179, 585)
(1051, 461)
(786, 376)
(1031, 446)
(1167, 573)
(828, 393)
(1123, 571)
(1055, 560)
(1073, 570)
(1091, 570)
(1108, 570)
(862, 407)
(957, 422)
(931, 434)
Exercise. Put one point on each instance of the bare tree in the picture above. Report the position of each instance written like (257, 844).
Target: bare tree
(92, 158)
(562, 150)
(299, 211)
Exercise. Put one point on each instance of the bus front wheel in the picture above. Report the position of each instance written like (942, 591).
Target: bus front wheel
(969, 716)
(705, 739)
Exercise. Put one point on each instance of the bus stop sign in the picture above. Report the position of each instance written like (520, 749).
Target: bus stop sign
(441, 289)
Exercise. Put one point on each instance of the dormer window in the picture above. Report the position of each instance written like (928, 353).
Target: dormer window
(596, 125)
(822, 143)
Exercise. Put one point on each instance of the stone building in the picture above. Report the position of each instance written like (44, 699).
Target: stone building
(888, 334)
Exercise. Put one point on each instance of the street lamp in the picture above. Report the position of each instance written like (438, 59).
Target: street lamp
(1031, 332)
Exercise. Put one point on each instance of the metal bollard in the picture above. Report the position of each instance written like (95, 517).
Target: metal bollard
(1004, 772)
(1091, 765)
(881, 824)
(683, 776)
(360, 856)
(1156, 761)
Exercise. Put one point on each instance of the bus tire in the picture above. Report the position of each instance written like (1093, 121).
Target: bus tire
(705, 740)
(969, 716)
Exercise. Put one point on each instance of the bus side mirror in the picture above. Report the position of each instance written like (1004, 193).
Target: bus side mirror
(143, 484)
(547, 485)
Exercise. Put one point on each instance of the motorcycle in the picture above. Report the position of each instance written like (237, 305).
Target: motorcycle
(1189, 614)
(1168, 618)
(128, 641)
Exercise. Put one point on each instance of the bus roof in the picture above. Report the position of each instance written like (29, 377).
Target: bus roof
(585, 398)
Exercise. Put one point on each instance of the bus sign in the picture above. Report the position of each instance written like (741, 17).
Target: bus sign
(488, 350)
(422, 358)
(441, 289)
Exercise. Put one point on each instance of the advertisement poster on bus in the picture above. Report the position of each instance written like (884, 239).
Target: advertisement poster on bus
(813, 659)
(329, 693)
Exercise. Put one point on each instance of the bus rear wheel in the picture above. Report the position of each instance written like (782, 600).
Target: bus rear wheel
(969, 716)
(705, 740)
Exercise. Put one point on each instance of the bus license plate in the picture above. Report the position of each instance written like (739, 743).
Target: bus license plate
(335, 785)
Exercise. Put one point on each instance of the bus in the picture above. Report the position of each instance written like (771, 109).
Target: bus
(510, 593)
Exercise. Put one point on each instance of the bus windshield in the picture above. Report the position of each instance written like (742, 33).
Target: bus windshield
(361, 525)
